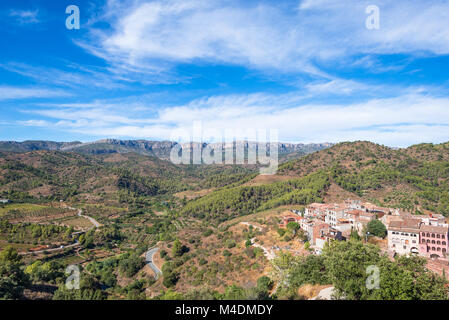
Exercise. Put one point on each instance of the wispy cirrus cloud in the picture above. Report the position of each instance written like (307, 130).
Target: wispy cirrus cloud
(25, 16)
(397, 121)
(156, 36)
(16, 93)
(74, 75)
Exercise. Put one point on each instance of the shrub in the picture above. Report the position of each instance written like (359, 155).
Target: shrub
(207, 233)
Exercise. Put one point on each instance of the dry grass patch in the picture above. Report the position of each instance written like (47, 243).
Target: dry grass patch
(309, 291)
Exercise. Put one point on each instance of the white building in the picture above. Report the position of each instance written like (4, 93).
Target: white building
(333, 214)
(4, 201)
(403, 236)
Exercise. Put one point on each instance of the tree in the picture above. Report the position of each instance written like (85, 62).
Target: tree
(293, 226)
(265, 283)
(177, 249)
(234, 292)
(302, 235)
(13, 280)
(283, 267)
(170, 279)
(355, 235)
(129, 265)
(307, 245)
(346, 263)
(90, 289)
(406, 278)
(377, 228)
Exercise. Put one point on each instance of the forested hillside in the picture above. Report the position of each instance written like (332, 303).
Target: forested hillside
(204, 218)
(413, 179)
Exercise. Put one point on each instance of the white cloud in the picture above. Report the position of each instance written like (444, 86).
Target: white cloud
(75, 75)
(400, 121)
(155, 36)
(159, 34)
(14, 93)
(35, 123)
(25, 16)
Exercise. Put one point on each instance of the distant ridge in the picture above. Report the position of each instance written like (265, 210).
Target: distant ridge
(160, 149)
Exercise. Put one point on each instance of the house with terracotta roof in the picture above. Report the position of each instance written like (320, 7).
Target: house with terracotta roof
(359, 218)
(289, 218)
(327, 235)
(313, 228)
(387, 219)
(403, 236)
(315, 210)
(318, 229)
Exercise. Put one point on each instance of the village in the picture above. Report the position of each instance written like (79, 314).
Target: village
(424, 235)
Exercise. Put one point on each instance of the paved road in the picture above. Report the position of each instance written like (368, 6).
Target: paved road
(149, 259)
(76, 244)
(92, 220)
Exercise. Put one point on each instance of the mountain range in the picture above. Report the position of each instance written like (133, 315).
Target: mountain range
(160, 149)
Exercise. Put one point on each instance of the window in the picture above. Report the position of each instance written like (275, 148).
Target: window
(428, 234)
(438, 249)
(438, 236)
(443, 236)
(433, 241)
(438, 242)
(443, 243)
(433, 248)
(433, 235)
(444, 250)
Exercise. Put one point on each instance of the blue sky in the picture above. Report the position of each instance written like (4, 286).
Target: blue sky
(143, 69)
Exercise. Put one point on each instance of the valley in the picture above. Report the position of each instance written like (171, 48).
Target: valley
(140, 227)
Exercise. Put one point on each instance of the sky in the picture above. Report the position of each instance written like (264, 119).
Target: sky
(315, 70)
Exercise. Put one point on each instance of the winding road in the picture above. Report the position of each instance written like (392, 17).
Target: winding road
(95, 224)
(149, 259)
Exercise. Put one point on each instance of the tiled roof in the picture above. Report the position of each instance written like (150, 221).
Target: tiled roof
(407, 225)
(434, 229)
(355, 212)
